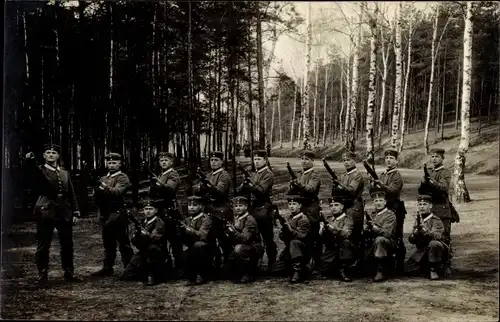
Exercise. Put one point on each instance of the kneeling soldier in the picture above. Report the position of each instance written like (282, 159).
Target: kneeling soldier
(295, 233)
(244, 236)
(149, 238)
(199, 235)
(428, 236)
(335, 234)
(381, 229)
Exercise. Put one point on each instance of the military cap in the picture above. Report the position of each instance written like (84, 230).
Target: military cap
(391, 152)
(260, 153)
(198, 199)
(113, 156)
(239, 200)
(165, 155)
(54, 147)
(296, 198)
(425, 198)
(349, 155)
(308, 154)
(377, 192)
(438, 151)
(217, 154)
(148, 202)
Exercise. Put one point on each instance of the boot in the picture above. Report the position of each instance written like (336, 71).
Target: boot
(200, 280)
(71, 278)
(152, 280)
(433, 274)
(245, 279)
(103, 272)
(42, 279)
(379, 277)
(343, 274)
(298, 275)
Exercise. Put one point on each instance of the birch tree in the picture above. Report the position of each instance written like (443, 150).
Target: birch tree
(385, 57)
(407, 77)
(305, 94)
(292, 126)
(397, 90)
(324, 106)
(371, 86)
(461, 192)
(315, 103)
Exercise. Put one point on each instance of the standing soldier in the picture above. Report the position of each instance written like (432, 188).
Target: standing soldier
(148, 264)
(199, 235)
(307, 185)
(56, 207)
(215, 188)
(428, 236)
(437, 185)
(164, 190)
(392, 182)
(259, 186)
(245, 238)
(295, 233)
(112, 214)
(381, 230)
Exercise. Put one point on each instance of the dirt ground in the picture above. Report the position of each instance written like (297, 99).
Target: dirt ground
(470, 294)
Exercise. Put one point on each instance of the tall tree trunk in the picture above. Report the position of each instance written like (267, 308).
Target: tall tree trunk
(324, 106)
(280, 127)
(342, 105)
(292, 126)
(305, 95)
(260, 76)
(457, 100)
(407, 77)
(385, 58)
(250, 101)
(315, 114)
(397, 90)
(371, 89)
(273, 111)
(443, 95)
(461, 192)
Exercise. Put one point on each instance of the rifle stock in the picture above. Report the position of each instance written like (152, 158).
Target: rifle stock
(290, 171)
(427, 175)
(334, 176)
(370, 170)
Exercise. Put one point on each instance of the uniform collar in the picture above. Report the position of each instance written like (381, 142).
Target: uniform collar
(114, 174)
(390, 171)
(198, 216)
(217, 171)
(382, 211)
(51, 168)
(429, 216)
(438, 168)
(308, 170)
(297, 215)
(150, 221)
(341, 217)
(243, 216)
(167, 171)
(352, 171)
(263, 169)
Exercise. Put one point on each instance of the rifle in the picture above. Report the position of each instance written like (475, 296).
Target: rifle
(419, 223)
(290, 171)
(285, 228)
(203, 178)
(137, 225)
(332, 173)
(245, 173)
(370, 170)
(146, 165)
(427, 175)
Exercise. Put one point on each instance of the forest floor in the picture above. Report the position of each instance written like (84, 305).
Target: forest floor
(470, 294)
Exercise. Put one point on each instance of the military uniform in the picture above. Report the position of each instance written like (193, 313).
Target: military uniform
(149, 261)
(164, 191)
(247, 246)
(55, 208)
(113, 217)
(261, 206)
(336, 233)
(296, 236)
(199, 235)
(308, 187)
(383, 235)
(431, 245)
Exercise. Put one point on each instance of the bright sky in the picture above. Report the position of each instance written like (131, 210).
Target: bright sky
(290, 53)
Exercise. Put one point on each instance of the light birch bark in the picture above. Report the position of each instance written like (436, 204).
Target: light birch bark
(305, 96)
(397, 87)
(407, 77)
(371, 88)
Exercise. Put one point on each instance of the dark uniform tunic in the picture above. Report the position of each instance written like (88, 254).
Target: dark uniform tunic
(261, 208)
(54, 209)
(384, 240)
(152, 252)
(113, 218)
(247, 246)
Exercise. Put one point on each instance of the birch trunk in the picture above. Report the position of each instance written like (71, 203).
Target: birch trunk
(457, 100)
(385, 58)
(262, 133)
(305, 96)
(279, 118)
(397, 87)
(273, 111)
(371, 89)
(461, 192)
(292, 126)
(324, 107)
(443, 96)
(348, 103)
(341, 127)
(405, 92)
(315, 106)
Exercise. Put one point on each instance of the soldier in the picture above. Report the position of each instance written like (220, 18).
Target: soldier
(164, 189)
(437, 186)
(295, 233)
(245, 238)
(381, 229)
(199, 235)
(392, 182)
(428, 236)
(215, 187)
(336, 233)
(56, 207)
(112, 215)
(259, 187)
(147, 265)
(354, 183)
(307, 185)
